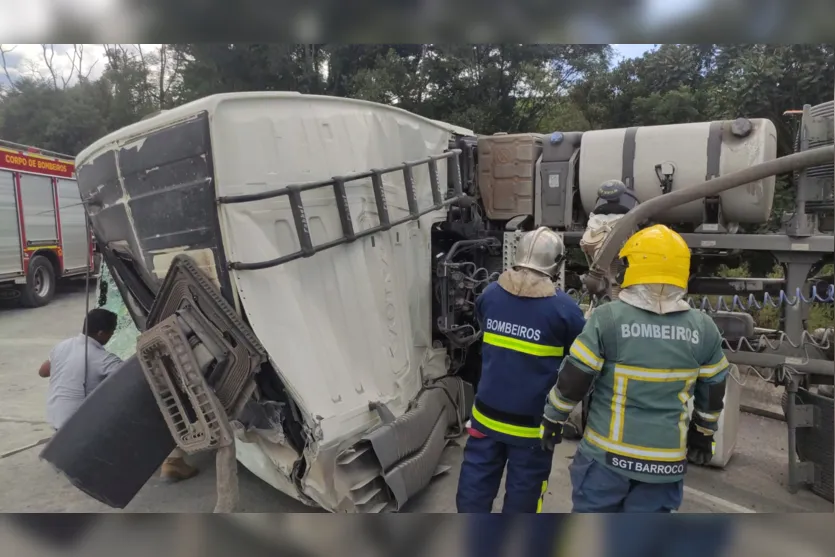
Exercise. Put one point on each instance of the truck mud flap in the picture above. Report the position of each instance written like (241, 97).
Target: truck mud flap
(115, 442)
(409, 448)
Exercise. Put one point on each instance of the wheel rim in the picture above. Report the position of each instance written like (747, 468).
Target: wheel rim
(42, 281)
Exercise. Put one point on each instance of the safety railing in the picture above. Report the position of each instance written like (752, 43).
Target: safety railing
(294, 194)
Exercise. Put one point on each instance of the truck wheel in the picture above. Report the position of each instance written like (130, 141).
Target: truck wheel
(40, 283)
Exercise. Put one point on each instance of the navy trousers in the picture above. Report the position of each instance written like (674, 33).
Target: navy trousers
(489, 535)
(485, 458)
(663, 535)
(597, 489)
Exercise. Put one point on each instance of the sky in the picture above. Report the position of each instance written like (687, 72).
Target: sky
(28, 59)
(624, 51)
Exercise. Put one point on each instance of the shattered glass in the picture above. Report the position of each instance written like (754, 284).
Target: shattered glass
(123, 342)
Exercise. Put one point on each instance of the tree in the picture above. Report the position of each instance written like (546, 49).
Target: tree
(129, 85)
(673, 84)
(486, 87)
(35, 113)
(66, 112)
(764, 81)
(209, 68)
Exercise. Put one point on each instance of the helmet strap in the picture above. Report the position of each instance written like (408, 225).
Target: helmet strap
(620, 270)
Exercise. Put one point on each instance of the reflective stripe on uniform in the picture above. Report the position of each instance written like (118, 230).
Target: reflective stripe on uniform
(704, 430)
(711, 370)
(507, 429)
(656, 375)
(560, 404)
(708, 416)
(522, 346)
(634, 451)
(624, 374)
(541, 496)
(586, 356)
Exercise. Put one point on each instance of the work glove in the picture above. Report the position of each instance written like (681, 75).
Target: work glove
(699, 446)
(550, 434)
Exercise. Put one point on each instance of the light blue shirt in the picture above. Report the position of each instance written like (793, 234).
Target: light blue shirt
(67, 385)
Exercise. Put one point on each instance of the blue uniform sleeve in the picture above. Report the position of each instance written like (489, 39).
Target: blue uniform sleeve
(709, 393)
(574, 322)
(479, 309)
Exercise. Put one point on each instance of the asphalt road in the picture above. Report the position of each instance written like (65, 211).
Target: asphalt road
(754, 481)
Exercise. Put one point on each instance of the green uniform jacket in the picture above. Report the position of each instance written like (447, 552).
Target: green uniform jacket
(645, 368)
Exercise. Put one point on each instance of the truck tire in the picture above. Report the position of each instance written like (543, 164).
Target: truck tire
(40, 283)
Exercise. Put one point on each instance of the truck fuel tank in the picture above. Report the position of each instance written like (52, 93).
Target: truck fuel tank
(672, 157)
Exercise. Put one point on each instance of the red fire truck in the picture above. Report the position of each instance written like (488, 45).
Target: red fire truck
(44, 232)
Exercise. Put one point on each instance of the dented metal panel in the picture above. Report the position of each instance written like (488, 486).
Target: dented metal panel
(358, 300)
(345, 330)
(151, 197)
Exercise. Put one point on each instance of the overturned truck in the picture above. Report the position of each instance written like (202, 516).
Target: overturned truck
(298, 276)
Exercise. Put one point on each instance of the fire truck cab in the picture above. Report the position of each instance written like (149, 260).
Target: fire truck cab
(44, 233)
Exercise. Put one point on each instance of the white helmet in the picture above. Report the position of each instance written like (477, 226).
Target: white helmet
(540, 250)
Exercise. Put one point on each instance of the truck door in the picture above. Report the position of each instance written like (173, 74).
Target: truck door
(75, 238)
(38, 211)
(10, 259)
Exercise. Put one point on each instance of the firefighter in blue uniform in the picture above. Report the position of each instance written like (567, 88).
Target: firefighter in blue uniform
(528, 326)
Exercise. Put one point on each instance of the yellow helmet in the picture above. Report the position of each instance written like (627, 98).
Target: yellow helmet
(655, 255)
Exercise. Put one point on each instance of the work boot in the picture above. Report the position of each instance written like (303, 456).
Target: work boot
(176, 469)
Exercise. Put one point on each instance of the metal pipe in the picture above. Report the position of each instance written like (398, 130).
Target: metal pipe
(756, 359)
(800, 198)
(595, 279)
(791, 422)
(722, 286)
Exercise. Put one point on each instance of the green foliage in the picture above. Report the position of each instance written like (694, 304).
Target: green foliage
(486, 87)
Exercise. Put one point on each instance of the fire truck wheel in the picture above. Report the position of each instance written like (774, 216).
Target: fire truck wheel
(40, 283)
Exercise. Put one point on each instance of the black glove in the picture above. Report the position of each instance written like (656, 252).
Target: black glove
(699, 446)
(550, 434)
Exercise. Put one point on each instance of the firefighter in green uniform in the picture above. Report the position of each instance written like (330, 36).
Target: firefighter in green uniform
(645, 354)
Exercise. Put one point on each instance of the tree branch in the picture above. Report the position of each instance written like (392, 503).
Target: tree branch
(73, 58)
(162, 62)
(142, 57)
(175, 71)
(48, 61)
(90, 70)
(3, 53)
